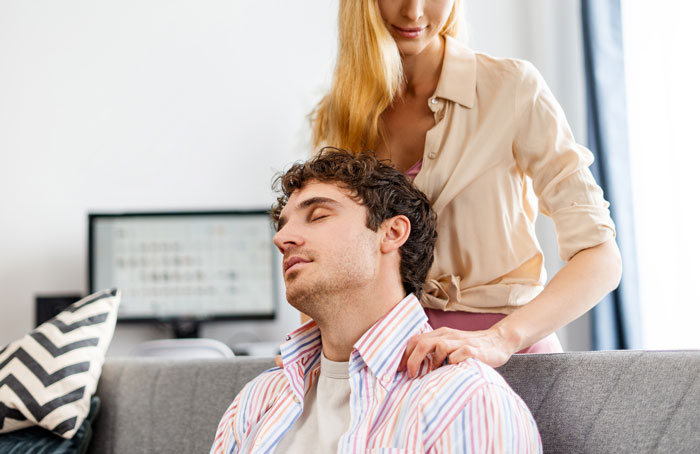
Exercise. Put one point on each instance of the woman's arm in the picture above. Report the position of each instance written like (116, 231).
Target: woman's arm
(589, 276)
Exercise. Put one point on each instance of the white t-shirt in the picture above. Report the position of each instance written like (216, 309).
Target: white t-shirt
(326, 415)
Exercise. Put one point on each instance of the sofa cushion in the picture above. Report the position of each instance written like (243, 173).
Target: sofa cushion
(48, 376)
(36, 440)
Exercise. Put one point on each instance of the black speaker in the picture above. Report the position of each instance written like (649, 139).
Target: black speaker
(48, 306)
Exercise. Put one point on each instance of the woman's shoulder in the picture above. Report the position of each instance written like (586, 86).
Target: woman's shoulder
(469, 73)
(489, 66)
(505, 67)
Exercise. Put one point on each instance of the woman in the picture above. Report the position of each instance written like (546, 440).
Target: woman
(470, 129)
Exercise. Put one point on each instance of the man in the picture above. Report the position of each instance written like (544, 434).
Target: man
(357, 240)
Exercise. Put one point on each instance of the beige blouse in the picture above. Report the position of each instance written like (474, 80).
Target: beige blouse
(500, 143)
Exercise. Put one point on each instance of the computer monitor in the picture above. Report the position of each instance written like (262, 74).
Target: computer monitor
(186, 267)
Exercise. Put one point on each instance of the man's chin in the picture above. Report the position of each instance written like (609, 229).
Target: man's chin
(302, 296)
(297, 296)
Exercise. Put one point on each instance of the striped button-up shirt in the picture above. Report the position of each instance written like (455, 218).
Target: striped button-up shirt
(462, 408)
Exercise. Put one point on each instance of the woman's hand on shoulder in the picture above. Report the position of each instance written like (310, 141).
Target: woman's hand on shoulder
(455, 346)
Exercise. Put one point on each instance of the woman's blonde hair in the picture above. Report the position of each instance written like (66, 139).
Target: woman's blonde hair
(367, 75)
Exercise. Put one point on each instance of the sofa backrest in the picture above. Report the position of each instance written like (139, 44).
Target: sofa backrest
(159, 406)
(592, 402)
(616, 401)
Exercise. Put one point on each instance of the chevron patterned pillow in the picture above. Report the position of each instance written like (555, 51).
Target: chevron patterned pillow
(48, 376)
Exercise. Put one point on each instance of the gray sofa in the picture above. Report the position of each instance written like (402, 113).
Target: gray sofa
(593, 402)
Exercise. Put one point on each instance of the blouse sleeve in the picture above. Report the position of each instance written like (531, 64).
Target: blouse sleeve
(545, 150)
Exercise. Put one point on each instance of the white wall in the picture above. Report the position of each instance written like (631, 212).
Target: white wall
(130, 105)
(186, 105)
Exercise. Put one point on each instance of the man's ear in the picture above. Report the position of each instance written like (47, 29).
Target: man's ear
(395, 233)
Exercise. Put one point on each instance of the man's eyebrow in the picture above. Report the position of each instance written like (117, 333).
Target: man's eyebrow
(306, 204)
(316, 201)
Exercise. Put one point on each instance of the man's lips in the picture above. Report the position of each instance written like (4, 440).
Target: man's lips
(409, 32)
(291, 261)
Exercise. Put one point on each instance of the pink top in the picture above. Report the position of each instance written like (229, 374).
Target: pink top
(413, 171)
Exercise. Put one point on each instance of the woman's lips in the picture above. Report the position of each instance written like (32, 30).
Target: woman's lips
(413, 32)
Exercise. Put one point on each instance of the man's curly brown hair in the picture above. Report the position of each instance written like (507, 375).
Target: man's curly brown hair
(383, 190)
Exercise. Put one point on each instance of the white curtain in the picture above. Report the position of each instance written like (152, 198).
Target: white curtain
(662, 50)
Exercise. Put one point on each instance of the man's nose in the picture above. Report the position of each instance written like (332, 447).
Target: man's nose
(287, 237)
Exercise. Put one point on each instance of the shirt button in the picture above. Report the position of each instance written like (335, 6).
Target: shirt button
(434, 101)
(432, 155)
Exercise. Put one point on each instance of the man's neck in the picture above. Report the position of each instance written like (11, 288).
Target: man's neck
(359, 313)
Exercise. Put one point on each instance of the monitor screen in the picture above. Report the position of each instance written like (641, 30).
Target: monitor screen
(187, 265)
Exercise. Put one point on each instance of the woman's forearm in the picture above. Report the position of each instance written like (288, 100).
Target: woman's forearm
(577, 287)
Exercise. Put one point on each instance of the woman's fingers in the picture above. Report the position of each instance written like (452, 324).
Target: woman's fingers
(442, 350)
(486, 352)
(454, 346)
(436, 345)
(424, 346)
(278, 361)
(410, 346)
(460, 354)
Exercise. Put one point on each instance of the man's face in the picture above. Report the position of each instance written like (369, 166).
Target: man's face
(328, 249)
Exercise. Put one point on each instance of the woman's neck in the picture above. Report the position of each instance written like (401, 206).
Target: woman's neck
(422, 71)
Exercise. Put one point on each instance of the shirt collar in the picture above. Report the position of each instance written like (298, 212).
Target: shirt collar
(458, 76)
(380, 347)
(383, 345)
(301, 353)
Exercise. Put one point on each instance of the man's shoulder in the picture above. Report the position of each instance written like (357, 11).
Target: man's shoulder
(268, 386)
(271, 377)
(467, 398)
(469, 378)
(470, 368)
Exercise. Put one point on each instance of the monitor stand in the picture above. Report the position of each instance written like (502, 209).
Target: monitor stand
(185, 329)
